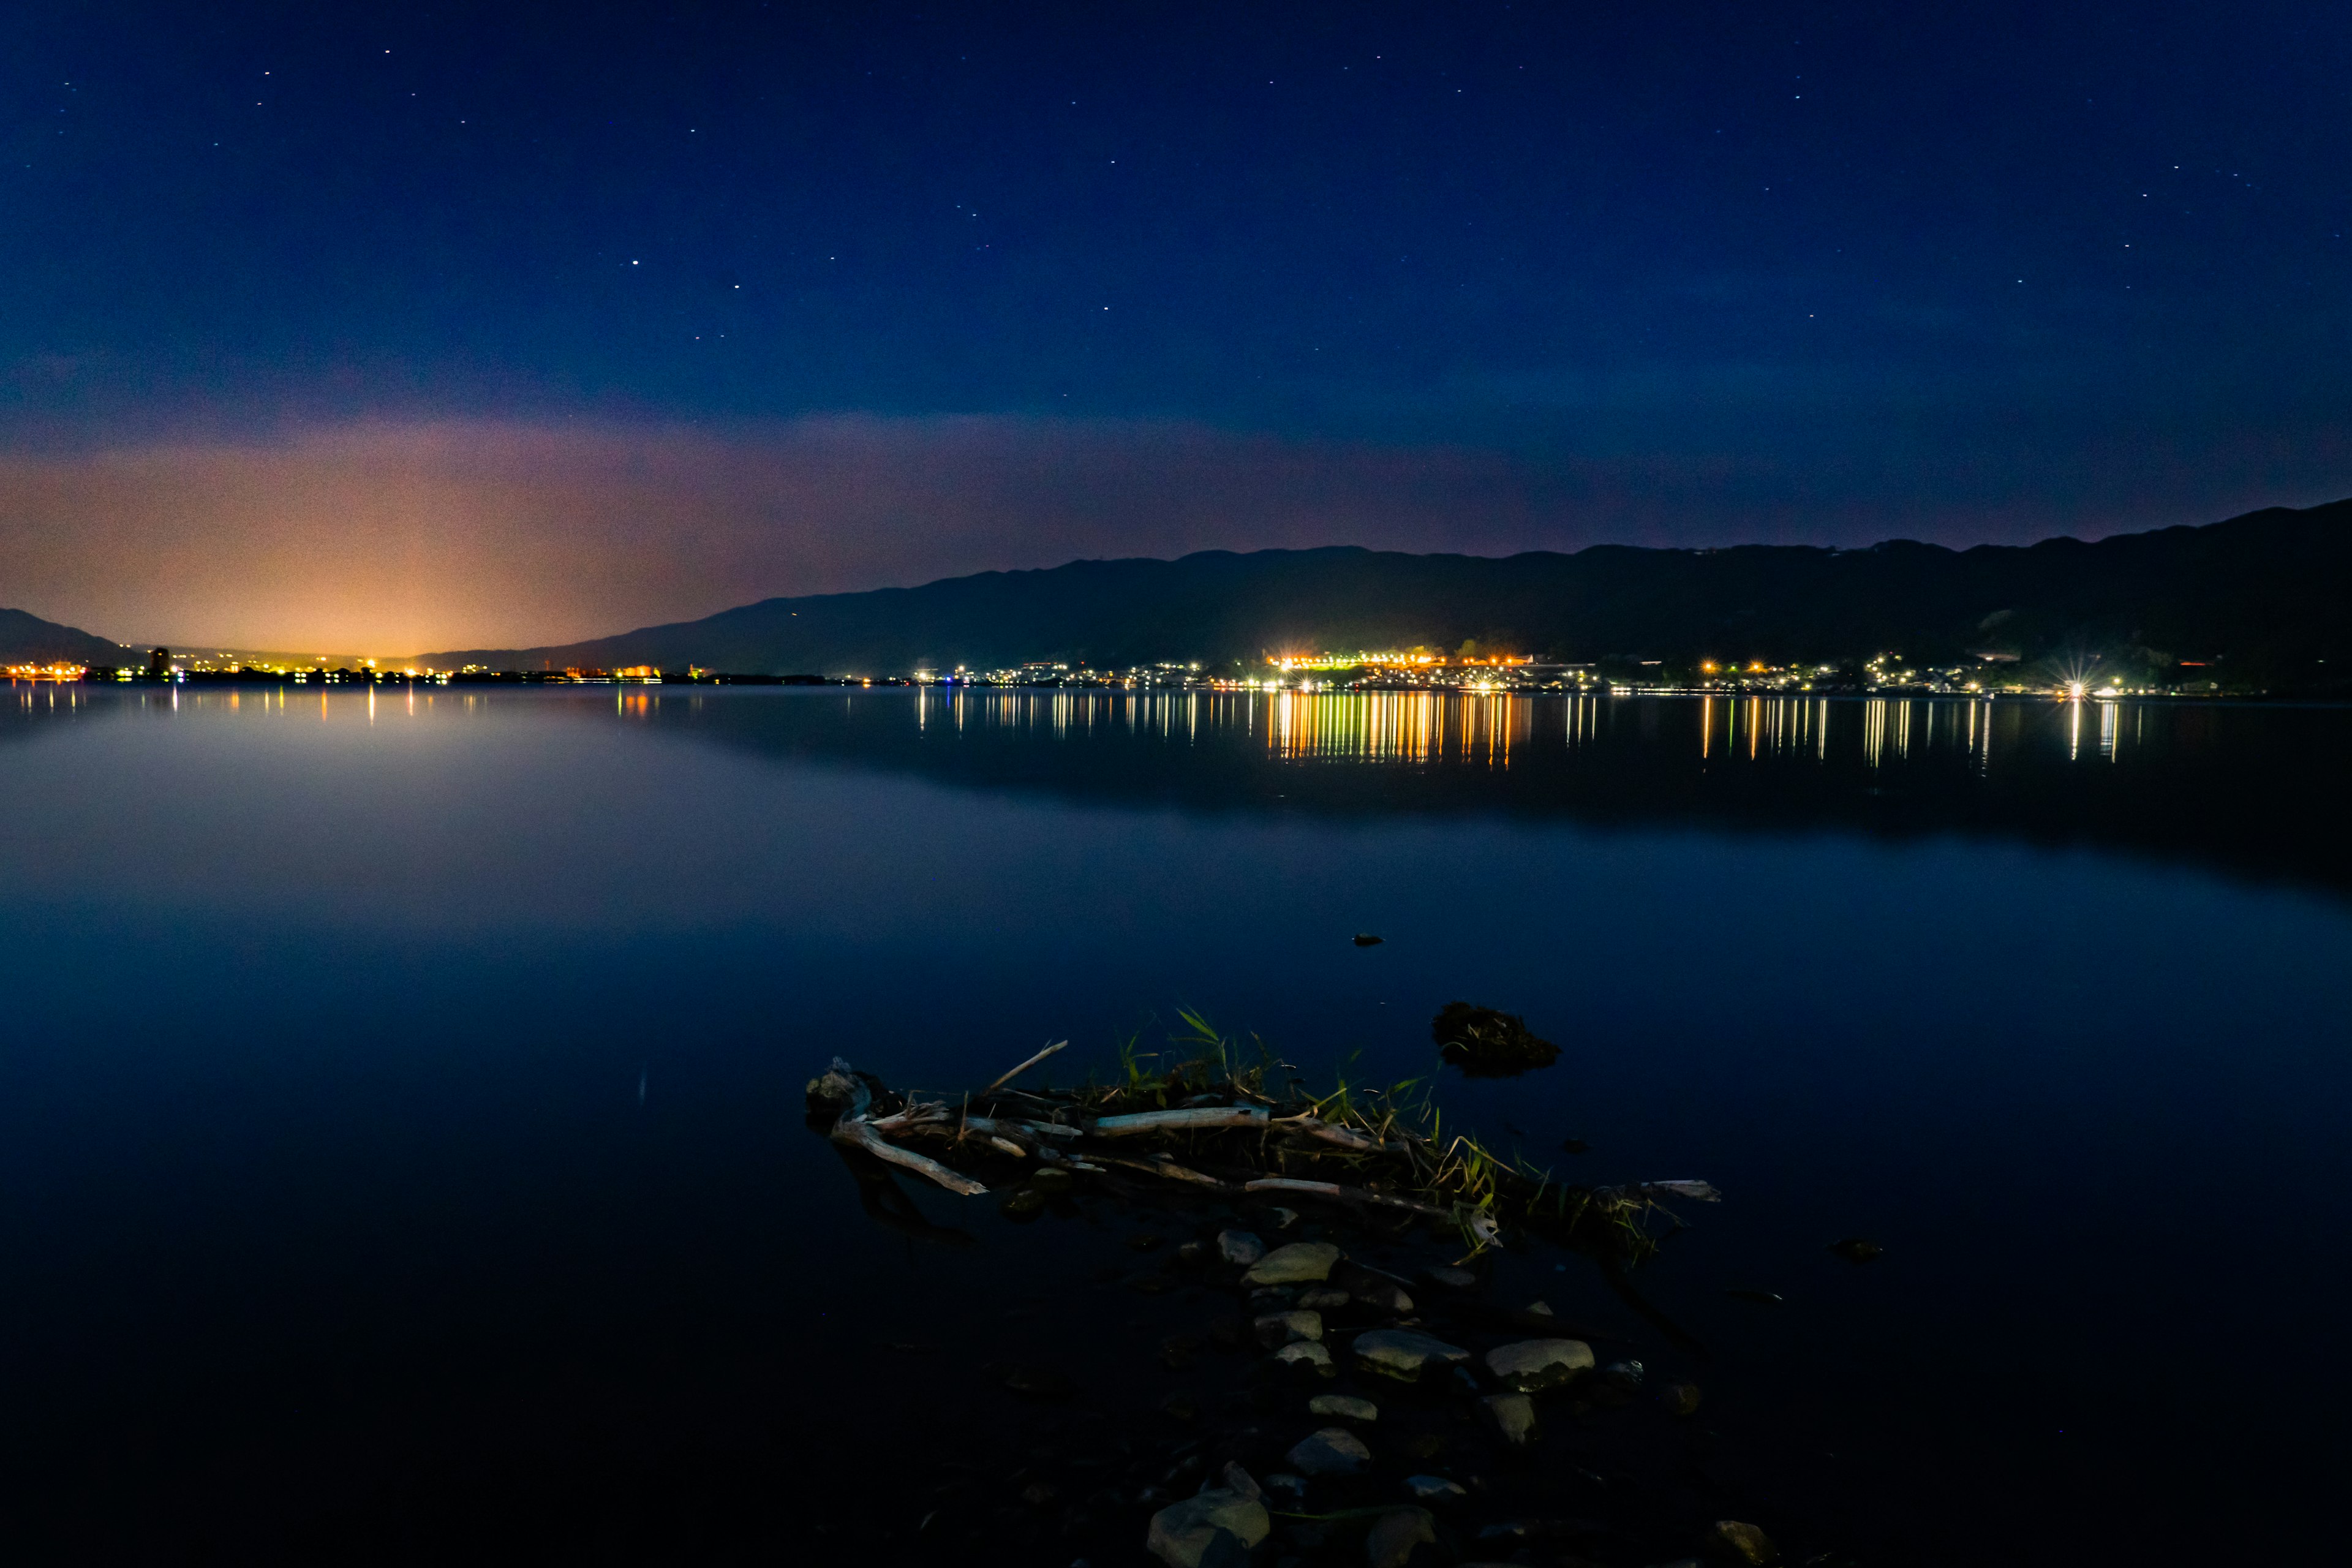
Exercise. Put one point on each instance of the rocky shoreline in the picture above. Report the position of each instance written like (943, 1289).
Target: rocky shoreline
(1356, 1388)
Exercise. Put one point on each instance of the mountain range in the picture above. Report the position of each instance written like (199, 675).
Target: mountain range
(28, 639)
(2266, 598)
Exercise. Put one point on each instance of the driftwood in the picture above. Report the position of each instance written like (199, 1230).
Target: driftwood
(1228, 1139)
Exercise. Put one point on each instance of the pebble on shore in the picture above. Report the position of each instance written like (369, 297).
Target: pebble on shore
(1297, 1263)
(1405, 1354)
(1333, 1451)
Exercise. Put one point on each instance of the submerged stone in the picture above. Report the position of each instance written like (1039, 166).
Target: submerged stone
(1744, 1542)
(1333, 1451)
(1513, 1416)
(1216, 1529)
(1395, 1534)
(1300, 1355)
(1239, 1480)
(1433, 1490)
(1530, 1366)
(1239, 1248)
(1298, 1263)
(1373, 1289)
(1282, 1328)
(1345, 1405)
(1404, 1353)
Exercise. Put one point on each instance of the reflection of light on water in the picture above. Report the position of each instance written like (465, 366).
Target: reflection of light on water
(1493, 728)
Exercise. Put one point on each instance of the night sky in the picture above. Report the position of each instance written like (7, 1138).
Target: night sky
(404, 327)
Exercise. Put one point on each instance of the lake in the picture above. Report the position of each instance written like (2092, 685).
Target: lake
(402, 1149)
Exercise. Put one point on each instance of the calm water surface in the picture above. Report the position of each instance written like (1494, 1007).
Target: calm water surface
(400, 1145)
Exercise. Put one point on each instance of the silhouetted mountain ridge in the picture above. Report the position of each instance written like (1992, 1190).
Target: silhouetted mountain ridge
(27, 639)
(2266, 593)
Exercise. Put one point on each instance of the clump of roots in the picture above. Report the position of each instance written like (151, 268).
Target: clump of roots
(1484, 1043)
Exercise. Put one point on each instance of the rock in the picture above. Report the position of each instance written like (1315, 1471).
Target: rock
(1282, 1328)
(1299, 1263)
(1304, 1354)
(1744, 1541)
(1323, 1299)
(1281, 1218)
(1679, 1398)
(1022, 1204)
(1192, 1254)
(1405, 1354)
(1333, 1451)
(1382, 1293)
(1050, 1180)
(1395, 1534)
(1289, 1488)
(1215, 1530)
(1364, 939)
(1434, 1490)
(1625, 1375)
(1513, 1416)
(1180, 1408)
(1539, 1309)
(1271, 1298)
(1853, 1249)
(1238, 1481)
(1345, 1405)
(1453, 1279)
(836, 1087)
(1239, 1248)
(1531, 1366)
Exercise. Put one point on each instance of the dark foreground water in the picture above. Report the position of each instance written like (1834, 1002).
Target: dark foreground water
(401, 1152)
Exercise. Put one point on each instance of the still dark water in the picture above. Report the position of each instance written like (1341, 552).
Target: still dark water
(400, 1140)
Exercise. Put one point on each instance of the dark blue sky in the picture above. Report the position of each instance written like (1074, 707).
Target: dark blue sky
(1833, 272)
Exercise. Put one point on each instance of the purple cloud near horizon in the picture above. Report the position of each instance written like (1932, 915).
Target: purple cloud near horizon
(386, 536)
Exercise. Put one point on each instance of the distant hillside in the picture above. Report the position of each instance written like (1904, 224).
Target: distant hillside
(28, 639)
(2268, 592)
